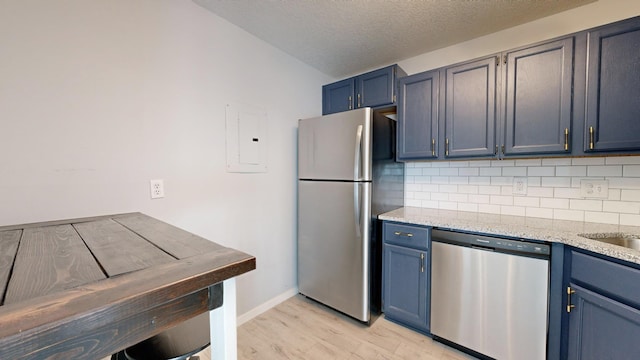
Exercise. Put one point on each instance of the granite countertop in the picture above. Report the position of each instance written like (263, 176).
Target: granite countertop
(559, 231)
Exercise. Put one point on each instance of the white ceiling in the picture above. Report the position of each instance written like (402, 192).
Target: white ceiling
(342, 38)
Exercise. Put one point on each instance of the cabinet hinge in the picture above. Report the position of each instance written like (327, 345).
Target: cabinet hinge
(504, 60)
(497, 60)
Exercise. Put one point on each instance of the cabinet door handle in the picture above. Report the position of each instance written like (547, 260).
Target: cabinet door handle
(566, 139)
(446, 147)
(358, 101)
(400, 233)
(590, 137)
(421, 262)
(569, 292)
(433, 147)
(350, 103)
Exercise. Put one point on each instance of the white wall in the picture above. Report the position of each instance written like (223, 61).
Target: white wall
(99, 97)
(553, 184)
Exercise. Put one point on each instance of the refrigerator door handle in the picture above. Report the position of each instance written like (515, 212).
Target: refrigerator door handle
(357, 209)
(357, 161)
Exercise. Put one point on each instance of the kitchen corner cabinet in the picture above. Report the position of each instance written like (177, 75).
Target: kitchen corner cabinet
(612, 118)
(603, 305)
(405, 281)
(418, 116)
(373, 89)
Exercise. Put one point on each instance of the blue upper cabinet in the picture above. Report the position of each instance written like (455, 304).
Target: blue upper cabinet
(418, 116)
(612, 119)
(373, 89)
(338, 96)
(538, 94)
(470, 109)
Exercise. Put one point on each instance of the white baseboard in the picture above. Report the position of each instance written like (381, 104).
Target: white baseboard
(266, 306)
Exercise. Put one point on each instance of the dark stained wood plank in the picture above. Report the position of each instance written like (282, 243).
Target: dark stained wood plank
(118, 249)
(50, 259)
(175, 241)
(59, 222)
(97, 319)
(9, 241)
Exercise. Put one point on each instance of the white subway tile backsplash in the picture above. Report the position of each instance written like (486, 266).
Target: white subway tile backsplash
(569, 193)
(512, 210)
(501, 180)
(602, 217)
(631, 170)
(449, 171)
(502, 163)
(526, 201)
(556, 161)
(449, 188)
(555, 182)
(619, 160)
(588, 161)
(468, 207)
(479, 199)
(529, 162)
(474, 171)
(575, 215)
(440, 196)
(501, 200)
(628, 219)
(553, 187)
(491, 209)
(541, 171)
(480, 180)
(591, 205)
(489, 190)
(468, 189)
(514, 171)
(539, 191)
(458, 179)
(627, 207)
(539, 212)
(553, 203)
(629, 195)
(571, 171)
(490, 171)
(605, 170)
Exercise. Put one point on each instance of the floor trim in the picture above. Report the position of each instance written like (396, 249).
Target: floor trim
(266, 306)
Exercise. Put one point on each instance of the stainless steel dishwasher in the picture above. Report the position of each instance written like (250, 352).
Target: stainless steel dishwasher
(490, 295)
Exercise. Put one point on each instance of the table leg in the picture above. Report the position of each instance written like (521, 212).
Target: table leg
(223, 325)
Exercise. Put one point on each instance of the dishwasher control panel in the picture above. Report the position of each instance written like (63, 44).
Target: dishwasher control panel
(491, 243)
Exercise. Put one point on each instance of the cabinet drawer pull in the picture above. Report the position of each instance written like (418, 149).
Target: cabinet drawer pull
(433, 147)
(400, 233)
(421, 262)
(358, 101)
(350, 103)
(590, 137)
(566, 139)
(569, 292)
(446, 147)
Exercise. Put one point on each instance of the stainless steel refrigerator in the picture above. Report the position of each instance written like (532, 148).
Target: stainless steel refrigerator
(347, 176)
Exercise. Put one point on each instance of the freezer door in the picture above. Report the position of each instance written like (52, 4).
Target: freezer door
(336, 146)
(334, 230)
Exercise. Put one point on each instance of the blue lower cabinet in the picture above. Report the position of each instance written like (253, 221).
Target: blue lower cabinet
(406, 277)
(603, 309)
(602, 328)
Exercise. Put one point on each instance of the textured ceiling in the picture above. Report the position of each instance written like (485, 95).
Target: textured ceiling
(341, 38)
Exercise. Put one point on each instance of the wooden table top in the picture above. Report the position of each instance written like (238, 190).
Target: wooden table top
(86, 288)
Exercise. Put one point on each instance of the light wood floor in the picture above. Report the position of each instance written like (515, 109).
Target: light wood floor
(300, 328)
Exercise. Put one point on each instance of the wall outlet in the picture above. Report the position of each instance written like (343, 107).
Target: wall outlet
(519, 186)
(594, 189)
(157, 188)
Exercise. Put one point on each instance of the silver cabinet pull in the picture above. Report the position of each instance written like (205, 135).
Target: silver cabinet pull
(590, 137)
(350, 103)
(566, 139)
(359, 101)
(400, 233)
(433, 147)
(421, 262)
(446, 147)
